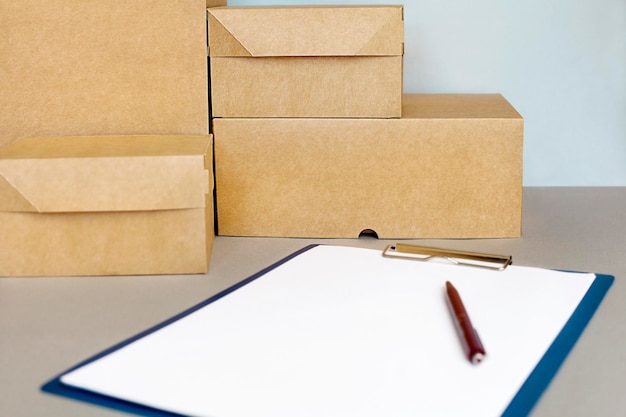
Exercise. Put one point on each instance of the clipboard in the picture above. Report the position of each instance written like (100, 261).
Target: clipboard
(521, 403)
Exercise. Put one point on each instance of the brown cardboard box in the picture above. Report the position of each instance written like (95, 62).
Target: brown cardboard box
(318, 61)
(113, 205)
(93, 67)
(451, 167)
(215, 3)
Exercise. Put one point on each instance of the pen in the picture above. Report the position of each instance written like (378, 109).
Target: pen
(473, 345)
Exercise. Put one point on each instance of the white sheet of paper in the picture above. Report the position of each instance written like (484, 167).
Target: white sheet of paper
(341, 331)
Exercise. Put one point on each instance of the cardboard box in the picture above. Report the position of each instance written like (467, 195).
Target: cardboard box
(215, 3)
(318, 61)
(93, 67)
(116, 205)
(451, 167)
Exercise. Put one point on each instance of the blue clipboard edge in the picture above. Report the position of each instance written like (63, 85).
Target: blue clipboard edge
(56, 387)
(548, 366)
(521, 405)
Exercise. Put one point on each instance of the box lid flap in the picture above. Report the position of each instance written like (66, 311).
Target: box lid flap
(306, 31)
(105, 173)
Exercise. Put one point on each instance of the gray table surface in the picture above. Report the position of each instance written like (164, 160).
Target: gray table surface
(49, 324)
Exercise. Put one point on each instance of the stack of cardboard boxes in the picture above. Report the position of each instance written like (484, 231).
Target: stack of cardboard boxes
(105, 152)
(314, 138)
(107, 164)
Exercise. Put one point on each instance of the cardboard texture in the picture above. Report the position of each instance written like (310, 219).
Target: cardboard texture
(91, 67)
(317, 61)
(451, 167)
(106, 205)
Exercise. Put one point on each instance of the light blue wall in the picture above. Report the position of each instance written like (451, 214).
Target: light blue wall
(561, 63)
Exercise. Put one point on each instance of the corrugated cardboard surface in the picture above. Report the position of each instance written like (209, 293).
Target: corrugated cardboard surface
(306, 61)
(106, 205)
(91, 67)
(307, 87)
(451, 167)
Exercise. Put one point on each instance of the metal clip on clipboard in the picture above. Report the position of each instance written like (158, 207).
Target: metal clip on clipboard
(424, 253)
